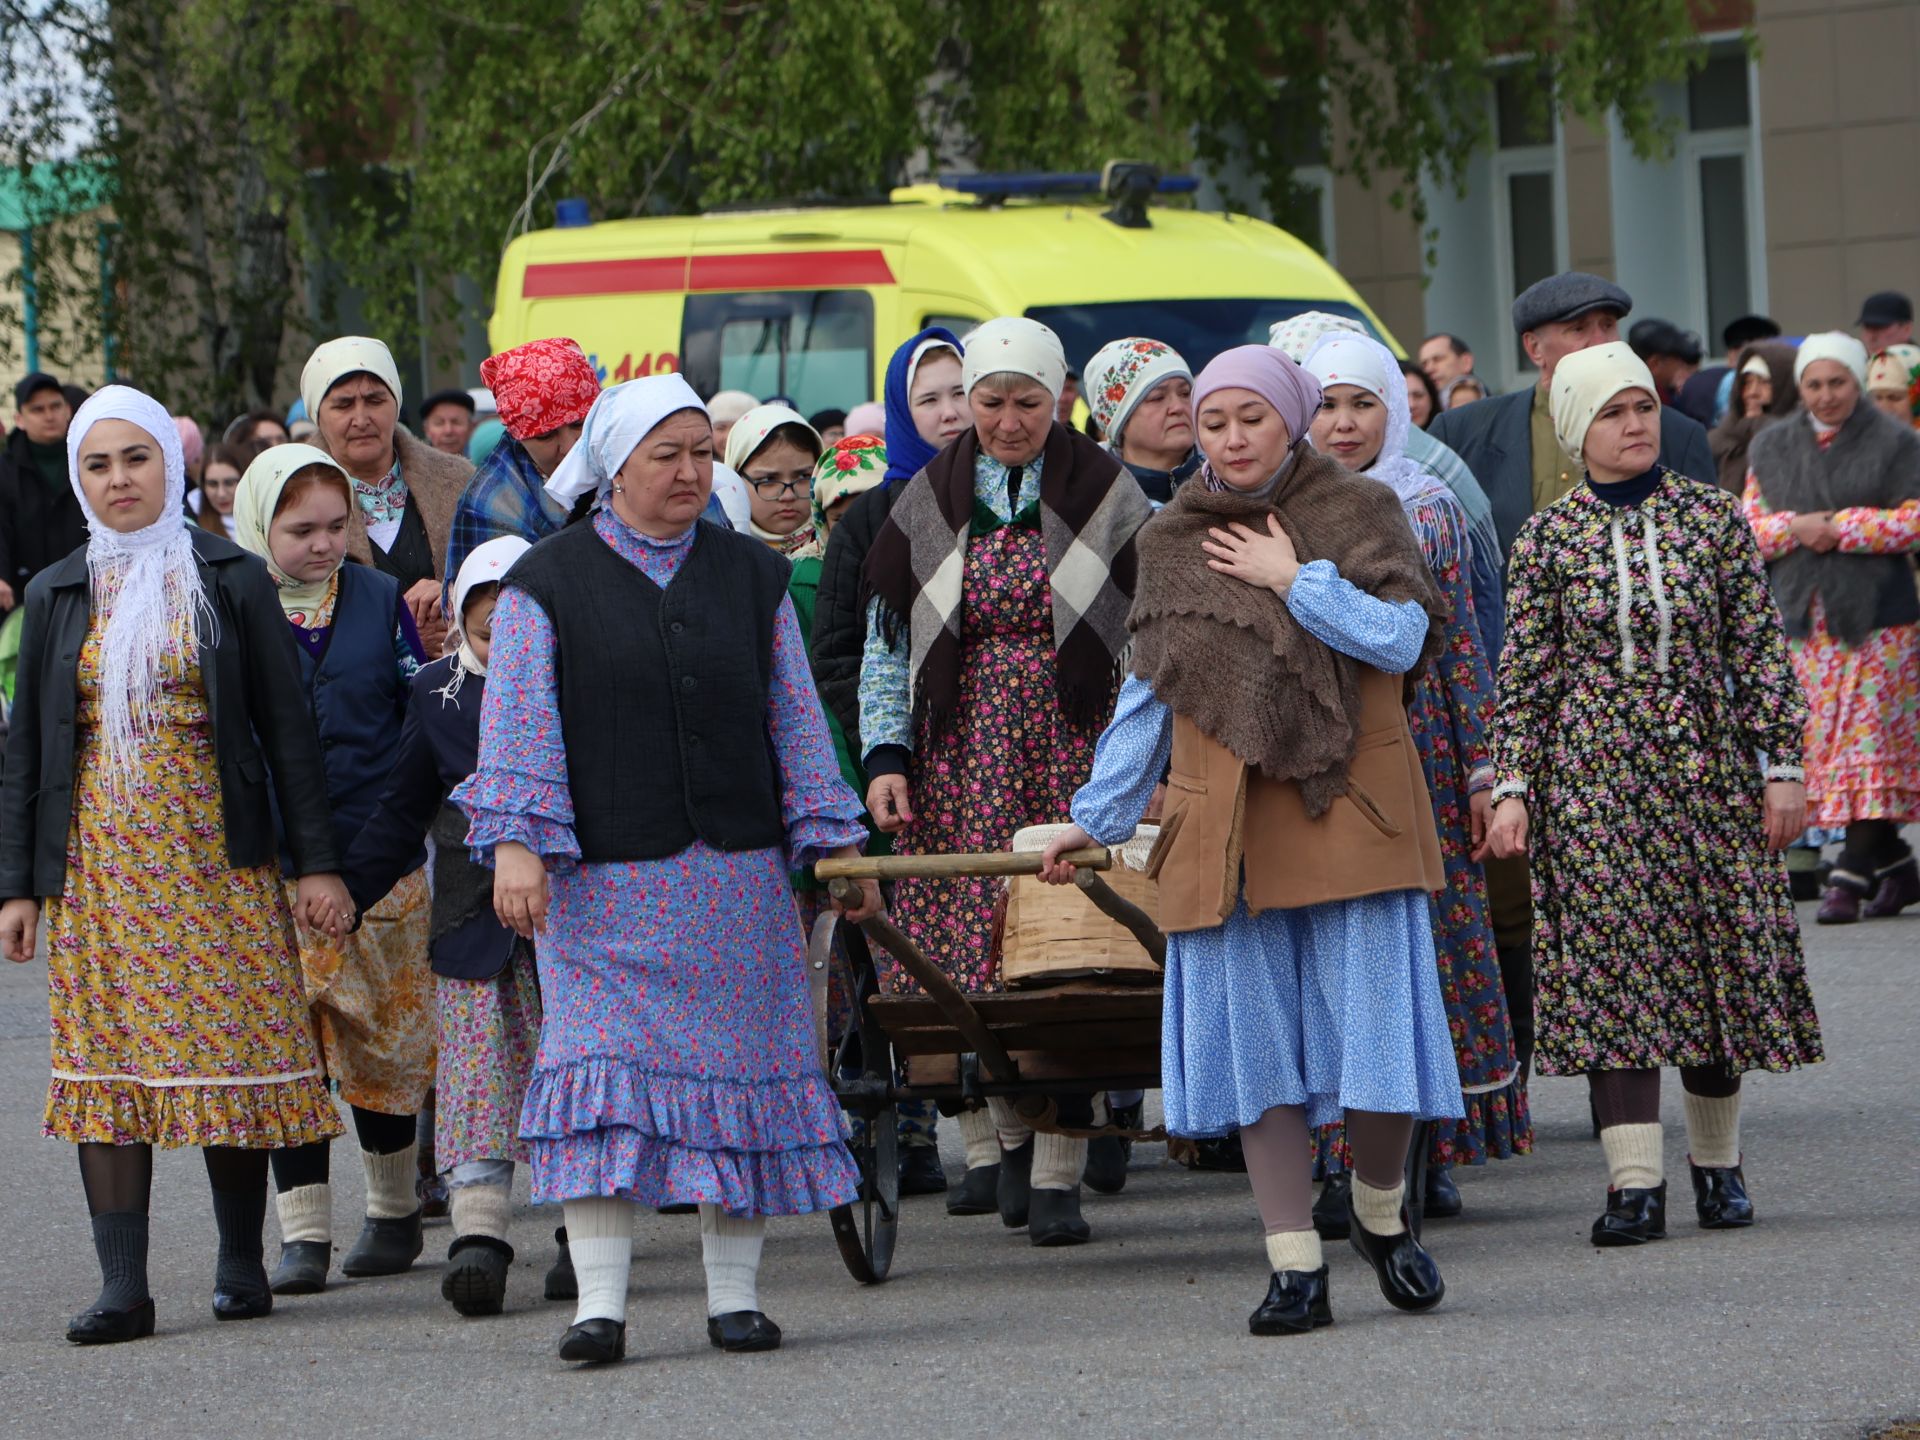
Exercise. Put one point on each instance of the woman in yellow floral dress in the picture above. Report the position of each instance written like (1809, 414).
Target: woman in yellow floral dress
(157, 688)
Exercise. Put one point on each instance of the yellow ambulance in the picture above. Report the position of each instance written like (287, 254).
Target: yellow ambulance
(809, 303)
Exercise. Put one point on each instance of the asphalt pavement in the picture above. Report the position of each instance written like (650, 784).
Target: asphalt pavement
(1806, 1325)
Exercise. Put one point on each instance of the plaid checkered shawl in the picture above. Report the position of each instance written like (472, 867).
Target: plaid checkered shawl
(1090, 508)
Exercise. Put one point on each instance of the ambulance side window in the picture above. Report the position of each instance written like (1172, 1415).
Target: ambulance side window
(813, 346)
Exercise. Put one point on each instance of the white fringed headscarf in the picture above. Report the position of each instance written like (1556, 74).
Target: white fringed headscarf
(622, 416)
(486, 565)
(157, 597)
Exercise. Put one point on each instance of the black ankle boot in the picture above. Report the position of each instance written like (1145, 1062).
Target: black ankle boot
(562, 1284)
(385, 1247)
(1632, 1217)
(476, 1279)
(302, 1269)
(920, 1172)
(1443, 1196)
(1053, 1218)
(1408, 1277)
(1330, 1209)
(977, 1193)
(1016, 1185)
(1720, 1197)
(1296, 1303)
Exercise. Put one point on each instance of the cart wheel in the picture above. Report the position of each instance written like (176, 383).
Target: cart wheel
(865, 1230)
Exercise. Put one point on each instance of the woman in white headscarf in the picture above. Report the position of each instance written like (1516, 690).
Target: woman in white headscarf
(1645, 677)
(405, 491)
(1364, 422)
(1835, 504)
(643, 790)
(158, 690)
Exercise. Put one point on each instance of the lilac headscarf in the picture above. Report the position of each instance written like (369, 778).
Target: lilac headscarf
(1292, 392)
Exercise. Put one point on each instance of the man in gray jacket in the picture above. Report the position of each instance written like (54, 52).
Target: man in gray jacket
(1507, 440)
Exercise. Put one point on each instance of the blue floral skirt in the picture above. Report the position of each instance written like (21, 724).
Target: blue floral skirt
(677, 1060)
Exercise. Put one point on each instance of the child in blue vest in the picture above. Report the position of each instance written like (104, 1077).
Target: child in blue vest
(486, 991)
(371, 994)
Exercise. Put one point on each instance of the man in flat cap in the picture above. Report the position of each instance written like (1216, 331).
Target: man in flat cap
(1507, 440)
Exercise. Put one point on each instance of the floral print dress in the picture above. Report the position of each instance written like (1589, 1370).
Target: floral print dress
(177, 1011)
(1863, 736)
(1645, 676)
(1449, 713)
(677, 1062)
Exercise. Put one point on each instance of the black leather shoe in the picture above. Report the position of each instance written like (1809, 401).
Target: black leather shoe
(1720, 1197)
(1016, 1184)
(1053, 1218)
(385, 1247)
(562, 1284)
(476, 1278)
(1633, 1217)
(1408, 1277)
(741, 1332)
(920, 1172)
(242, 1304)
(595, 1342)
(1106, 1168)
(1330, 1209)
(977, 1193)
(1443, 1196)
(1296, 1303)
(302, 1269)
(110, 1327)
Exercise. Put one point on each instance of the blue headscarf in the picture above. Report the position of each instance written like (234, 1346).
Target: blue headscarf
(907, 453)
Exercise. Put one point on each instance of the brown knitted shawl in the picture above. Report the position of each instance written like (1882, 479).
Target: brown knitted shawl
(1231, 657)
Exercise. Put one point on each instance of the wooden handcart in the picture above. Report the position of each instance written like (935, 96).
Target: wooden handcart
(957, 1049)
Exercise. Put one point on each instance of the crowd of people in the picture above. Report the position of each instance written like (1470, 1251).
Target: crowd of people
(1469, 732)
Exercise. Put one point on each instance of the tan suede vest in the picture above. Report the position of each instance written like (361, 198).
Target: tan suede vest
(1377, 837)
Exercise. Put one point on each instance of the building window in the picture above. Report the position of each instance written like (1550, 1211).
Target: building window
(1717, 157)
(1526, 190)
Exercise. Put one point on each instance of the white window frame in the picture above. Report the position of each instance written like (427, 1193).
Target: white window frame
(1743, 144)
(1320, 177)
(1549, 160)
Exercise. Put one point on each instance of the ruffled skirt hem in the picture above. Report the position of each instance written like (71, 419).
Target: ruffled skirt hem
(270, 1115)
(651, 1171)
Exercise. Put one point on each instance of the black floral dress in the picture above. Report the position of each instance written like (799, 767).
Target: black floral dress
(1644, 686)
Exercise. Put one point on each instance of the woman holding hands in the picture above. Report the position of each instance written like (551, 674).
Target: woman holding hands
(1647, 757)
(158, 689)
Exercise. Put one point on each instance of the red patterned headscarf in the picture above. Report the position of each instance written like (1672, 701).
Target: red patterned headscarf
(540, 386)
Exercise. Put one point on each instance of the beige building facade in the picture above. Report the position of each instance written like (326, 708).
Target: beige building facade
(1793, 190)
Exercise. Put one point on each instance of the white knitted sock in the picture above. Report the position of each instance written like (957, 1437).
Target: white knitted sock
(1634, 1159)
(730, 1249)
(1058, 1161)
(1713, 1130)
(482, 1210)
(1295, 1250)
(1013, 1131)
(306, 1213)
(1378, 1211)
(390, 1183)
(983, 1146)
(600, 1240)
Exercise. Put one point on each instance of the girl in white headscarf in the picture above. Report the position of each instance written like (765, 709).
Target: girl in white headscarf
(1364, 422)
(774, 449)
(157, 692)
(371, 994)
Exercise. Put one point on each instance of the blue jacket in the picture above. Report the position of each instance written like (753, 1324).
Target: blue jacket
(439, 747)
(1495, 437)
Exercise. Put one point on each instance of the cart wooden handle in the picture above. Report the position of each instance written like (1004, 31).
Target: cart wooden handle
(951, 867)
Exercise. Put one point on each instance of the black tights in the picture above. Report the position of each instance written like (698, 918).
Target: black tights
(1632, 1097)
(1872, 846)
(378, 1133)
(118, 1179)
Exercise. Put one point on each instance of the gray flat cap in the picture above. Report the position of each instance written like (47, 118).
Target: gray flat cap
(1567, 297)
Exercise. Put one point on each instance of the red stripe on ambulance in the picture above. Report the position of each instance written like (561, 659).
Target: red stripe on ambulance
(778, 270)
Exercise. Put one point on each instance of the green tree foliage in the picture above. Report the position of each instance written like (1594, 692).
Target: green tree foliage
(269, 154)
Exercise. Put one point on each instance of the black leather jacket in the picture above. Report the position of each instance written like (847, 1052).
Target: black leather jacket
(260, 723)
